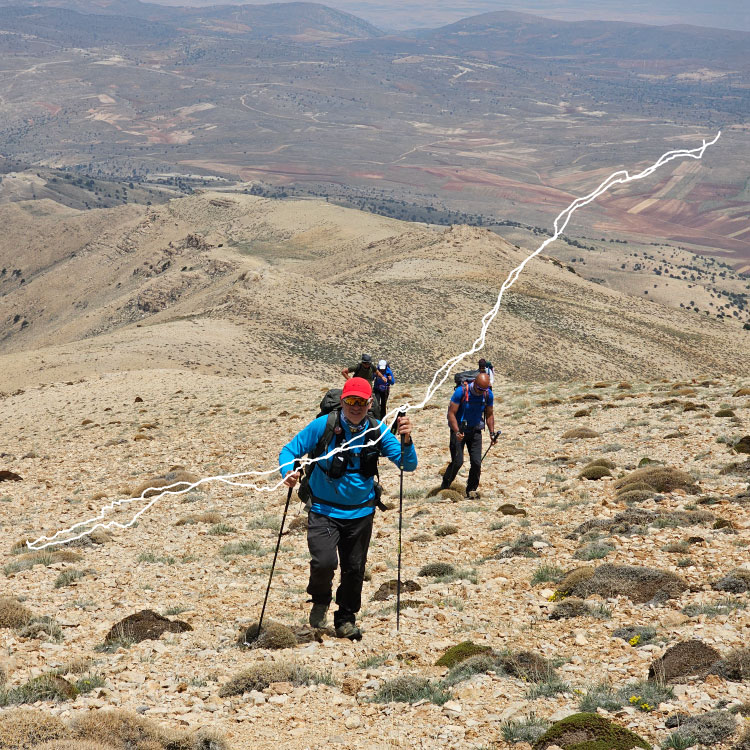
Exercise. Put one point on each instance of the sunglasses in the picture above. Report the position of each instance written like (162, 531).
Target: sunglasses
(481, 390)
(356, 401)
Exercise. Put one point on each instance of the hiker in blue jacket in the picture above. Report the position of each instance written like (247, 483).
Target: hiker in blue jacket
(381, 387)
(470, 406)
(343, 499)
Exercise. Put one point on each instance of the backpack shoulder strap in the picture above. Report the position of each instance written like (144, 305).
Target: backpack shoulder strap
(374, 424)
(328, 433)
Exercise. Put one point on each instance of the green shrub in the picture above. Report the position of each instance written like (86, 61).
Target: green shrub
(467, 668)
(411, 689)
(246, 547)
(589, 731)
(529, 729)
(67, 577)
(547, 573)
(433, 570)
(221, 529)
(460, 652)
(594, 551)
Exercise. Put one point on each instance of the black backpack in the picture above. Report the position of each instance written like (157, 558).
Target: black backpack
(330, 404)
(464, 377)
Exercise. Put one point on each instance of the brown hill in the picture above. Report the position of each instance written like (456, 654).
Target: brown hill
(243, 285)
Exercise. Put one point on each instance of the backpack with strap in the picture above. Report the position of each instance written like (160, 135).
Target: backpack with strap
(368, 456)
(464, 377)
(466, 385)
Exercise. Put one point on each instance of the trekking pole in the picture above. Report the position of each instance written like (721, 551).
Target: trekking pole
(493, 437)
(256, 635)
(400, 519)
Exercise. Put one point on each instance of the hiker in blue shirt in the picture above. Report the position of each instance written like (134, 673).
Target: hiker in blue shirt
(343, 499)
(470, 405)
(381, 387)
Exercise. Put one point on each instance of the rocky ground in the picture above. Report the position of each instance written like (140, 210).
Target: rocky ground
(75, 446)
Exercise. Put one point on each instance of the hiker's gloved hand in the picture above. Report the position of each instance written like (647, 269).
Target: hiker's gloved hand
(404, 428)
(495, 436)
(291, 478)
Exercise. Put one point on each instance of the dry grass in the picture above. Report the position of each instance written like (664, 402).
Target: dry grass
(175, 480)
(260, 676)
(273, 635)
(13, 614)
(661, 478)
(580, 433)
(210, 516)
(21, 729)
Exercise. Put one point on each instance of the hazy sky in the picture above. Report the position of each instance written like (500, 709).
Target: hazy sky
(405, 14)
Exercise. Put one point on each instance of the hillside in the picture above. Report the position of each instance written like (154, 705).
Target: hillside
(241, 285)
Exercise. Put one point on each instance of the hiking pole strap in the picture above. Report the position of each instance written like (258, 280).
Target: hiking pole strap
(400, 519)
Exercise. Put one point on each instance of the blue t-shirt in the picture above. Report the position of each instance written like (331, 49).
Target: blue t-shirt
(352, 488)
(471, 411)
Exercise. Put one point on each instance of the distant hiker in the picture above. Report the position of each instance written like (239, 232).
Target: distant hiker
(485, 366)
(381, 387)
(470, 405)
(363, 369)
(343, 495)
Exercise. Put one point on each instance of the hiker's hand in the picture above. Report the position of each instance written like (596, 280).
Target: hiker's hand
(404, 428)
(460, 437)
(494, 439)
(291, 478)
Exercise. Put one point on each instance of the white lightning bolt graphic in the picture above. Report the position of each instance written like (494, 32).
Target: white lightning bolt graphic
(82, 528)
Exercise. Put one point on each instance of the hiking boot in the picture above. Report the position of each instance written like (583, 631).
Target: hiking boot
(318, 615)
(349, 630)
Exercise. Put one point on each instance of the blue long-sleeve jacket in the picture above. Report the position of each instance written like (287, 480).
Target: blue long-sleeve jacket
(379, 385)
(352, 488)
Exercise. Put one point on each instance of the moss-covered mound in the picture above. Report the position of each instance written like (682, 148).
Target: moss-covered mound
(745, 391)
(661, 478)
(461, 652)
(639, 584)
(589, 732)
(273, 635)
(633, 487)
(145, 625)
(453, 495)
(595, 472)
(685, 659)
(458, 487)
(446, 529)
(575, 578)
(602, 462)
(390, 588)
(435, 570)
(508, 509)
(580, 433)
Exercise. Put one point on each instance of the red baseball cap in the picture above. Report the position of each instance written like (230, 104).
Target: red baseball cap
(357, 387)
